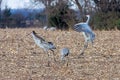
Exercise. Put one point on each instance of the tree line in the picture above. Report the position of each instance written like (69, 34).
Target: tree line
(105, 15)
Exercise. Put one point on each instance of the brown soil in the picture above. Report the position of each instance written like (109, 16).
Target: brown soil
(21, 59)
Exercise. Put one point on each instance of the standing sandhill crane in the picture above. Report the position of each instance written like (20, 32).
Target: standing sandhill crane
(87, 32)
(42, 43)
(64, 52)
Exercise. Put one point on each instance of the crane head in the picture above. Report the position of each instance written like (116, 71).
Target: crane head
(87, 15)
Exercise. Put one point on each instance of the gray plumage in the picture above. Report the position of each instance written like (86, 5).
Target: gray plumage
(87, 32)
(64, 52)
(42, 43)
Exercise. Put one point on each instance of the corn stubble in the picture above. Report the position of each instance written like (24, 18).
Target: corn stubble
(21, 59)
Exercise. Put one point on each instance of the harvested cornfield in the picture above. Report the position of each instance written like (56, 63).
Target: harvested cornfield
(22, 59)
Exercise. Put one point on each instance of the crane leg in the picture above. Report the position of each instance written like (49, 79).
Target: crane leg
(53, 54)
(84, 48)
(48, 64)
(52, 51)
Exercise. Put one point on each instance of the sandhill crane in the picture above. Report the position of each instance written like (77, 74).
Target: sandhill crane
(43, 44)
(50, 29)
(64, 52)
(87, 32)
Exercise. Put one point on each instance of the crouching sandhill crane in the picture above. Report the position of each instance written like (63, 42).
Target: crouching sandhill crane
(50, 29)
(42, 43)
(87, 32)
(64, 52)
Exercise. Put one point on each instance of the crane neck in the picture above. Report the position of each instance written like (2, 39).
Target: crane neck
(88, 19)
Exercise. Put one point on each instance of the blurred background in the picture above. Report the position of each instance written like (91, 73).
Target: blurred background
(62, 14)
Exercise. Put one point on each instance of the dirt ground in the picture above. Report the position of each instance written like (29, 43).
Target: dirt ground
(22, 59)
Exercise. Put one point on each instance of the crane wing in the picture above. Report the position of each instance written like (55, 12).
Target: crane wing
(82, 28)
